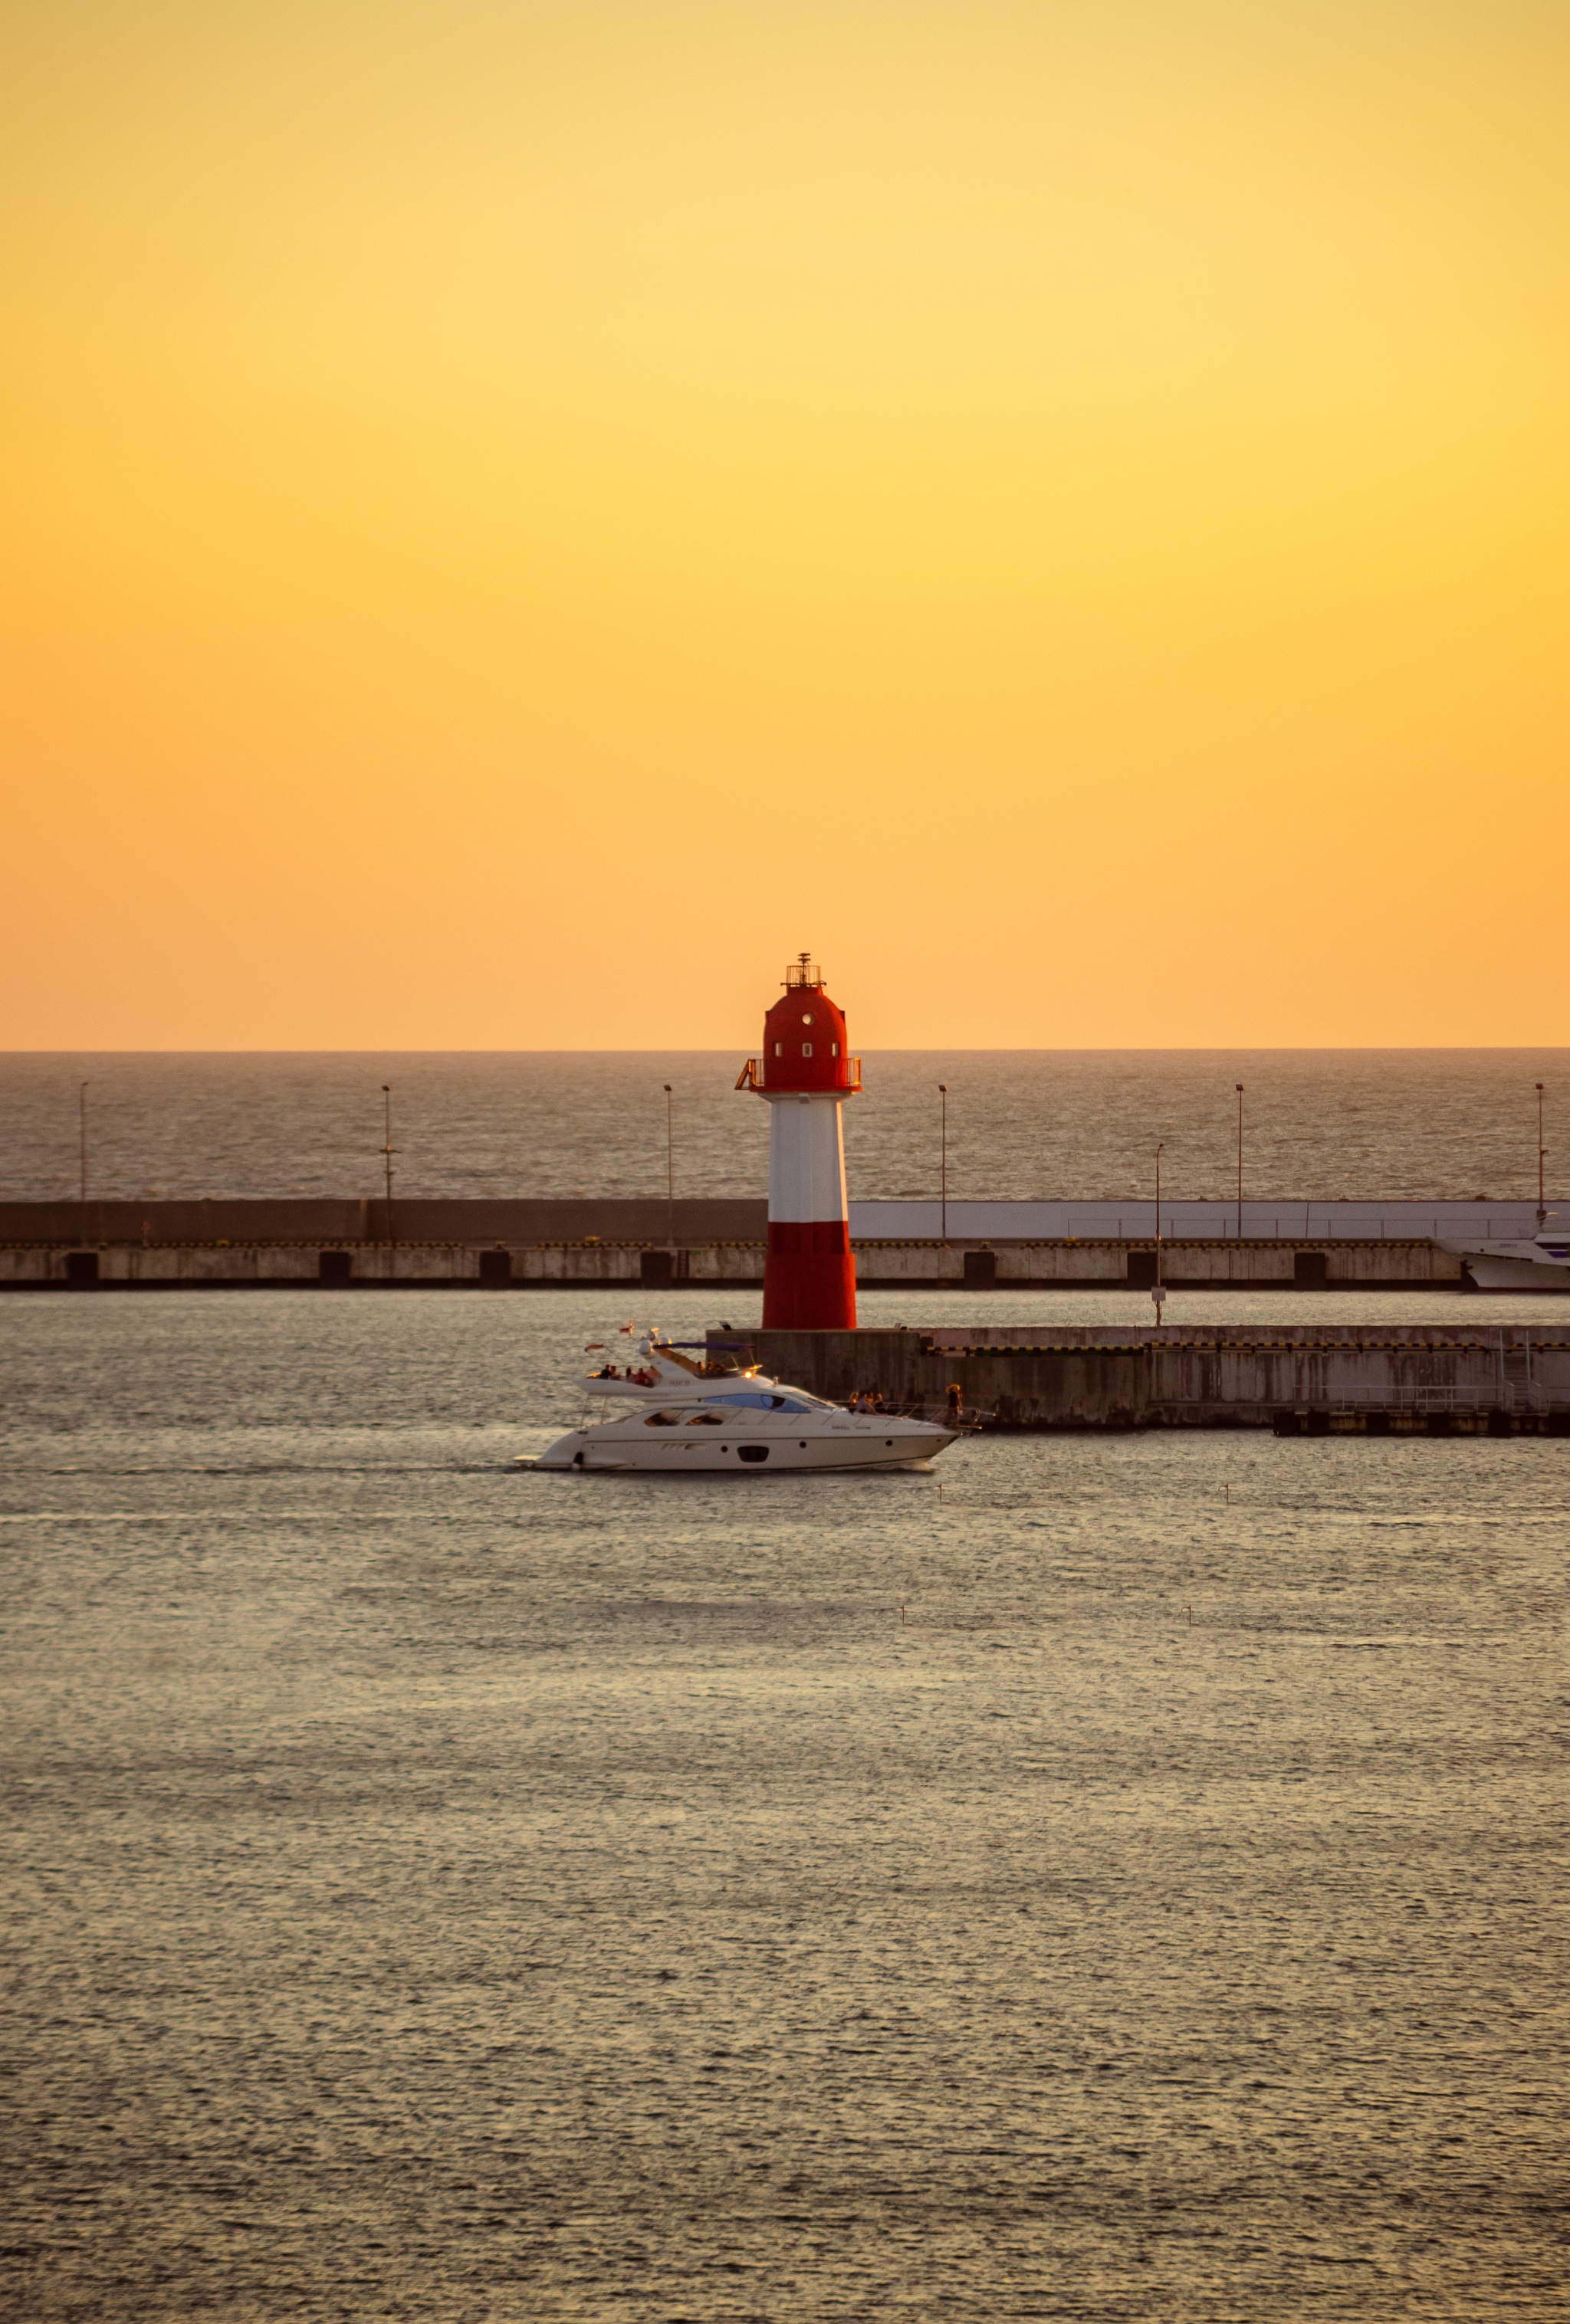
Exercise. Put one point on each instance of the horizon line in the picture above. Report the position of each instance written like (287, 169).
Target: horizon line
(995, 1049)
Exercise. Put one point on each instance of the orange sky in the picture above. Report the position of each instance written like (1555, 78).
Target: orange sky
(523, 517)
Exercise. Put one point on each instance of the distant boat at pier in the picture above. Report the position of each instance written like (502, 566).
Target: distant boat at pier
(1540, 1264)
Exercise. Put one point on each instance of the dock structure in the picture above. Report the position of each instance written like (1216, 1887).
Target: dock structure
(495, 1244)
(1426, 1380)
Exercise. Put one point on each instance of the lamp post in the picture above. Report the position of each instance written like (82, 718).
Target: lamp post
(1240, 1091)
(1542, 1214)
(82, 1129)
(1158, 1289)
(942, 1145)
(387, 1152)
(670, 1168)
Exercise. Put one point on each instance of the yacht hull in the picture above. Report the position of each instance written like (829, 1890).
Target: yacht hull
(588, 1451)
(1491, 1273)
(1543, 1265)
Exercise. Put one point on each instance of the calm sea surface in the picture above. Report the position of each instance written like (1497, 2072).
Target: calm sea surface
(1130, 1884)
(1402, 1124)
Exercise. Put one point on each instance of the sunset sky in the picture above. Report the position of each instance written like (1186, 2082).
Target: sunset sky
(521, 516)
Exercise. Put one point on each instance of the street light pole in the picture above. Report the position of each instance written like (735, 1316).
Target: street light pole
(1240, 1091)
(82, 1110)
(1158, 1289)
(942, 1096)
(669, 1168)
(387, 1152)
(1542, 1214)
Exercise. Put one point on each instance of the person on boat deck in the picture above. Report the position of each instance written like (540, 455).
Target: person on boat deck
(956, 1397)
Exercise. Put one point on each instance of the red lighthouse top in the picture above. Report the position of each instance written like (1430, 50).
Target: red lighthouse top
(804, 1040)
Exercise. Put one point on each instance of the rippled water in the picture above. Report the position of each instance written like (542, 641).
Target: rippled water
(1130, 1885)
(1401, 1124)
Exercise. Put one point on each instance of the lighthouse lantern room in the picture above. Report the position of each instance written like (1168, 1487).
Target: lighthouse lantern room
(805, 1074)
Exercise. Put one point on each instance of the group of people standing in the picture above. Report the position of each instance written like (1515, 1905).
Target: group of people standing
(870, 1400)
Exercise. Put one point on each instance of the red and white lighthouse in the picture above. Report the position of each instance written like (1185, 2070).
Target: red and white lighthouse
(805, 1074)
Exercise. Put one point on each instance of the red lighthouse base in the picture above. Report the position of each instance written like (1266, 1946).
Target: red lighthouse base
(809, 1277)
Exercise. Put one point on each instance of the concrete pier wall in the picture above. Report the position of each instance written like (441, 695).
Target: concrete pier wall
(1125, 1220)
(148, 1264)
(357, 1266)
(1033, 1378)
(410, 1221)
(1191, 1265)
(155, 1245)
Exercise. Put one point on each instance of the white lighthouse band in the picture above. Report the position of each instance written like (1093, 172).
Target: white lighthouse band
(806, 1156)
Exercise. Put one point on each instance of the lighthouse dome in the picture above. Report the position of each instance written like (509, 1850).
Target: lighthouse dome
(805, 1046)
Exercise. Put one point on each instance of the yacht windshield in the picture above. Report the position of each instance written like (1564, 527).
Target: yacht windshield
(762, 1401)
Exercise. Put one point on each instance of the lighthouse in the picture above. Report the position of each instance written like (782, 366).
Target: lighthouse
(804, 1074)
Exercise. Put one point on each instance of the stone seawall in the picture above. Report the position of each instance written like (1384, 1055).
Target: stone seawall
(1434, 1377)
(349, 1262)
(408, 1220)
(289, 1242)
(322, 1250)
(354, 1265)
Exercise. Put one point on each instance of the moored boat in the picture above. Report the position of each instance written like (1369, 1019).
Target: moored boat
(1541, 1264)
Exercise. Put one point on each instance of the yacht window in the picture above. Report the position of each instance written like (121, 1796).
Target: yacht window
(663, 1420)
(706, 1420)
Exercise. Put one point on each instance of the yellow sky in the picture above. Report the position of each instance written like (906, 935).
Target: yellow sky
(523, 517)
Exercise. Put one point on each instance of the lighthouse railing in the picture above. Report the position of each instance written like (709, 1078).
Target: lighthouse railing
(752, 1076)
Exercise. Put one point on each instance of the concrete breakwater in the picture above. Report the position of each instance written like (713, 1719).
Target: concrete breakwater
(879, 1224)
(413, 1244)
(522, 1245)
(500, 1244)
(284, 1221)
(145, 1265)
(1328, 1380)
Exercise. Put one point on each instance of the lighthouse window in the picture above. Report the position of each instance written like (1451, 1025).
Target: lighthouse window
(834, 1048)
(807, 1048)
(808, 1018)
(778, 1049)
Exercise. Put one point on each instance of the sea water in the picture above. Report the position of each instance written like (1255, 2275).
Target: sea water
(1074, 1124)
(1127, 1884)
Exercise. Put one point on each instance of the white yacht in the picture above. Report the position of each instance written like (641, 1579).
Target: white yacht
(1541, 1264)
(719, 1417)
